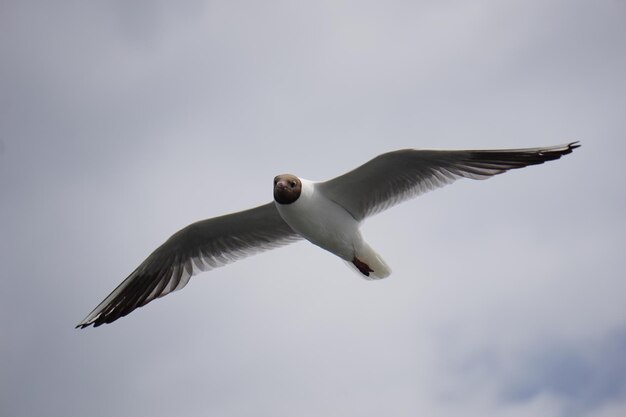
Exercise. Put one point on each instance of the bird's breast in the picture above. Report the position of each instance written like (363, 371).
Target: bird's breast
(323, 222)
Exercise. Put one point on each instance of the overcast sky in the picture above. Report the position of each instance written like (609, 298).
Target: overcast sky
(121, 122)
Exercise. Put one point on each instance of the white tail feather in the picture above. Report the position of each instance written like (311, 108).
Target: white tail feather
(367, 255)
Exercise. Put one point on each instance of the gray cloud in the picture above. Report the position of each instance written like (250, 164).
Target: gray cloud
(121, 123)
(583, 378)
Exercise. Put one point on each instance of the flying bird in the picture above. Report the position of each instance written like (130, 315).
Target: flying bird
(326, 213)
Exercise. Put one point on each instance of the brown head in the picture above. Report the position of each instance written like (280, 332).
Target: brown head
(287, 188)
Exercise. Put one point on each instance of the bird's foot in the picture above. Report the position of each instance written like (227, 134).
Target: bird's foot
(362, 266)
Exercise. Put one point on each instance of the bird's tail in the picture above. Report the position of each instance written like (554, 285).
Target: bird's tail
(369, 264)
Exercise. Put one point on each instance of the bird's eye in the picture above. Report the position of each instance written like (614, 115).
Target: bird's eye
(292, 184)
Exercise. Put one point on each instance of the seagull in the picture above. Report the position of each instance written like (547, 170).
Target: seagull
(326, 213)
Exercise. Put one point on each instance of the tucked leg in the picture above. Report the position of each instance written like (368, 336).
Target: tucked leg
(362, 266)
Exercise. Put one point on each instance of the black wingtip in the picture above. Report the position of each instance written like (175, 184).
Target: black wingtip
(556, 152)
(574, 145)
(94, 324)
(570, 148)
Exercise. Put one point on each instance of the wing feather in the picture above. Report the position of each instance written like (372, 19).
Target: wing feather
(201, 246)
(396, 176)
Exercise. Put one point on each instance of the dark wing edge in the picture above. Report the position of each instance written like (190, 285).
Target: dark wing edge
(396, 176)
(201, 246)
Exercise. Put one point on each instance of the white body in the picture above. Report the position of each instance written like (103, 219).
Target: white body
(331, 227)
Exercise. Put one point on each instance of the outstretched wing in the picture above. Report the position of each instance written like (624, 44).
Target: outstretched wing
(393, 177)
(201, 246)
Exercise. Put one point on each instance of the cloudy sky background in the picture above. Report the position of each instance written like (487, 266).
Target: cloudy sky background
(121, 122)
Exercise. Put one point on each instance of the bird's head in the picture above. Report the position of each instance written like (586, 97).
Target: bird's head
(287, 188)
